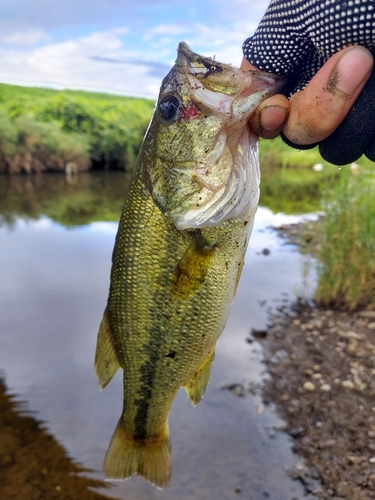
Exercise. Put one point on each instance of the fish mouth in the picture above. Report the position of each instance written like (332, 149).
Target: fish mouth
(222, 180)
(233, 197)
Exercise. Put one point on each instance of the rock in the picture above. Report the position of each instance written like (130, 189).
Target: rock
(308, 372)
(354, 460)
(258, 334)
(350, 335)
(329, 443)
(353, 349)
(280, 354)
(371, 326)
(295, 432)
(325, 388)
(367, 314)
(371, 460)
(348, 384)
(309, 386)
(318, 323)
(343, 489)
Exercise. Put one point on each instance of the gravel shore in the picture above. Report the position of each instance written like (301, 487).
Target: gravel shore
(322, 382)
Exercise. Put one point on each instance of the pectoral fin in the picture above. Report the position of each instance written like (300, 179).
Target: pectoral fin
(197, 385)
(106, 362)
(191, 271)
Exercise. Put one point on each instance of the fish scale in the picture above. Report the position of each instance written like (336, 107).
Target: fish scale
(171, 288)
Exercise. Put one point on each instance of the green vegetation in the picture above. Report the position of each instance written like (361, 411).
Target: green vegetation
(43, 129)
(346, 249)
(88, 197)
(289, 184)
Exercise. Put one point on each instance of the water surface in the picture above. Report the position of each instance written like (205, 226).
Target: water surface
(55, 278)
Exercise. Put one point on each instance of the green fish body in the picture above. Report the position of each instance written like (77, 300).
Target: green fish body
(179, 253)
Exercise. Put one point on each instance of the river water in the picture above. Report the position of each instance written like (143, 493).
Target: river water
(56, 241)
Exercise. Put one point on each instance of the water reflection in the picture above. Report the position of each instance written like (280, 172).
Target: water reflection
(87, 198)
(52, 294)
(33, 464)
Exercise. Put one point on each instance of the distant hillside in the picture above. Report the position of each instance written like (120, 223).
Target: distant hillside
(44, 129)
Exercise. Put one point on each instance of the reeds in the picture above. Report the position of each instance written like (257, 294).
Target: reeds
(347, 242)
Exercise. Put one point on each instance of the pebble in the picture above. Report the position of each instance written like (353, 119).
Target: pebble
(309, 386)
(350, 335)
(258, 334)
(348, 384)
(343, 489)
(367, 314)
(372, 460)
(354, 460)
(295, 432)
(371, 326)
(308, 371)
(329, 443)
(316, 375)
(326, 388)
(353, 349)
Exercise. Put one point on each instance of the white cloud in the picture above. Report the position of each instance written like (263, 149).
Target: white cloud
(165, 29)
(129, 59)
(86, 62)
(25, 38)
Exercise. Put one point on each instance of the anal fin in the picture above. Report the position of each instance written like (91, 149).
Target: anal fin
(197, 385)
(106, 362)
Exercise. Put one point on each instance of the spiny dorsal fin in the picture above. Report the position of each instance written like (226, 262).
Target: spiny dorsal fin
(197, 385)
(106, 362)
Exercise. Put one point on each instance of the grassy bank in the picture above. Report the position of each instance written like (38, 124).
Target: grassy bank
(42, 129)
(346, 242)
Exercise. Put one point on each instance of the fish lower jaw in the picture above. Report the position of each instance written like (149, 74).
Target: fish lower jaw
(234, 198)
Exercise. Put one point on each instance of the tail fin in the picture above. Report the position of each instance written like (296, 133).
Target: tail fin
(150, 458)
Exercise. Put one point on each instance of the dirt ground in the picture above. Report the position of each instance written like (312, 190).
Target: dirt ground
(322, 382)
(33, 465)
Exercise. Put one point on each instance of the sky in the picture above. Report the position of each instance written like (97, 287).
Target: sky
(117, 46)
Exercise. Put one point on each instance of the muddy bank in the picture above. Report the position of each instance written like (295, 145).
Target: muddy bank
(33, 465)
(321, 367)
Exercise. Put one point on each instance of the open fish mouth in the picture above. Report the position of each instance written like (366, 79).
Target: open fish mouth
(224, 182)
(223, 199)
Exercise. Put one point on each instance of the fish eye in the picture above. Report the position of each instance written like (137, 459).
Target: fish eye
(168, 107)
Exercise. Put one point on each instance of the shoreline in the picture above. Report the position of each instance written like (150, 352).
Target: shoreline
(321, 366)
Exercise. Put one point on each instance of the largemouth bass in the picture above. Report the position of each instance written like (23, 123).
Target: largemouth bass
(179, 253)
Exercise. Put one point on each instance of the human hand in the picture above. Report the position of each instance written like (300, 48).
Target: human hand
(327, 103)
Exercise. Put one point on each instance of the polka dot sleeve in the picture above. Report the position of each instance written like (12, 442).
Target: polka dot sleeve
(296, 37)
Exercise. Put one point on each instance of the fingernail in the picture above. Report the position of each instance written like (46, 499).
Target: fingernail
(351, 70)
(272, 117)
